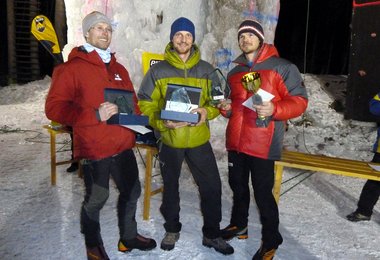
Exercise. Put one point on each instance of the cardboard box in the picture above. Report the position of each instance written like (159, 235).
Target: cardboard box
(180, 100)
(125, 103)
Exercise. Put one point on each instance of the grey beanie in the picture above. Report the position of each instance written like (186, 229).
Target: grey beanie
(93, 18)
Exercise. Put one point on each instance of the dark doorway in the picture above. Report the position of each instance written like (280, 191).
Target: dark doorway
(315, 35)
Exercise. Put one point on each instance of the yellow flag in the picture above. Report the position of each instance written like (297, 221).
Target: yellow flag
(44, 32)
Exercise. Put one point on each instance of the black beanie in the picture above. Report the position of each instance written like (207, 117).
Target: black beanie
(252, 27)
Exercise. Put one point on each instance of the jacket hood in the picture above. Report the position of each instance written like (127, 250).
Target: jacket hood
(91, 57)
(173, 58)
(266, 51)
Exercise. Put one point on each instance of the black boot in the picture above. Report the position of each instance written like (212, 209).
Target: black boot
(73, 167)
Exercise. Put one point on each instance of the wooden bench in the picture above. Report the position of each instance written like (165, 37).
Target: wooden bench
(290, 159)
(150, 152)
(321, 163)
(54, 131)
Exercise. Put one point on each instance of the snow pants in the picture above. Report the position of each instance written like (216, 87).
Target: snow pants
(202, 164)
(124, 171)
(240, 166)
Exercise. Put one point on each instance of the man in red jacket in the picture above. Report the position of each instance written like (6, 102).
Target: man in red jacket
(255, 131)
(76, 98)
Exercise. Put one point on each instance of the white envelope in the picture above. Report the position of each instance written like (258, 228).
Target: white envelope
(265, 95)
(138, 128)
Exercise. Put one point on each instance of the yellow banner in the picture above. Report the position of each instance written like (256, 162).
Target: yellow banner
(149, 59)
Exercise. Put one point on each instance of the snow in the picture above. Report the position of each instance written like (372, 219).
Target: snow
(40, 221)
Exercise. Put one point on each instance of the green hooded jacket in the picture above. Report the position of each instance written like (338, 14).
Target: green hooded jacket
(195, 73)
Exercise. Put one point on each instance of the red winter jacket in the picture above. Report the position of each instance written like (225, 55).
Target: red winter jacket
(76, 91)
(283, 80)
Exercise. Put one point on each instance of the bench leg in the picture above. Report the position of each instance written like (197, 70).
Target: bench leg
(53, 159)
(80, 169)
(147, 186)
(277, 182)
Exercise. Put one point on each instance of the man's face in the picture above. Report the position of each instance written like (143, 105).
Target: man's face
(182, 42)
(100, 36)
(248, 42)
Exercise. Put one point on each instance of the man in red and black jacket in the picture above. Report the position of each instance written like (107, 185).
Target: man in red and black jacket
(255, 130)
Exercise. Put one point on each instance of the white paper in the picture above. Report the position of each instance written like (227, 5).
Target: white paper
(376, 167)
(265, 96)
(138, 128)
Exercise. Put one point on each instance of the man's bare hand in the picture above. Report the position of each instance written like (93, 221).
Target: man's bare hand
(173, 124)
(202, 114)
(264, 110)
(106, 110)
(224, 105)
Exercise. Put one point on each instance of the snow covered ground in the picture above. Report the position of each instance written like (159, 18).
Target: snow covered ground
(40, 221)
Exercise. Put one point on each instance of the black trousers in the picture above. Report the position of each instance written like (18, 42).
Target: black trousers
(124, 171)
(240, 166)
(369, 197)
(202, 164)
(370, 193)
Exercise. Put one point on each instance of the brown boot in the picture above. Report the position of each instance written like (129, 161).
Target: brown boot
(96, 253)
(264, 253)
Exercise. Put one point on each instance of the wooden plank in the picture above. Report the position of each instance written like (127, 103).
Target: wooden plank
(332, 165)
(304, 156)
(321, 163)
(324, 165)
(324, 161)
(372, 175)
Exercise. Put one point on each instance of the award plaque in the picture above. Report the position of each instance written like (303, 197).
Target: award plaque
(124, 101)
(180, 100)
(219, 90)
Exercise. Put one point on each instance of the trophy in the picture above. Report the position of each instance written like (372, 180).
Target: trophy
(219, 89)
(252, 83)
(125, 104)
(180, 100)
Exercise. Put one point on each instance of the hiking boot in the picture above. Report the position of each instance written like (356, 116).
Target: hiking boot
(264, 254)
(219, 245)
(169, 240)
(96, 253)
(232, 231)
(139, 242)
(73, 167)
(355, 217)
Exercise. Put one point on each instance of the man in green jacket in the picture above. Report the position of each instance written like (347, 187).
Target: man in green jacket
(180, 140)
